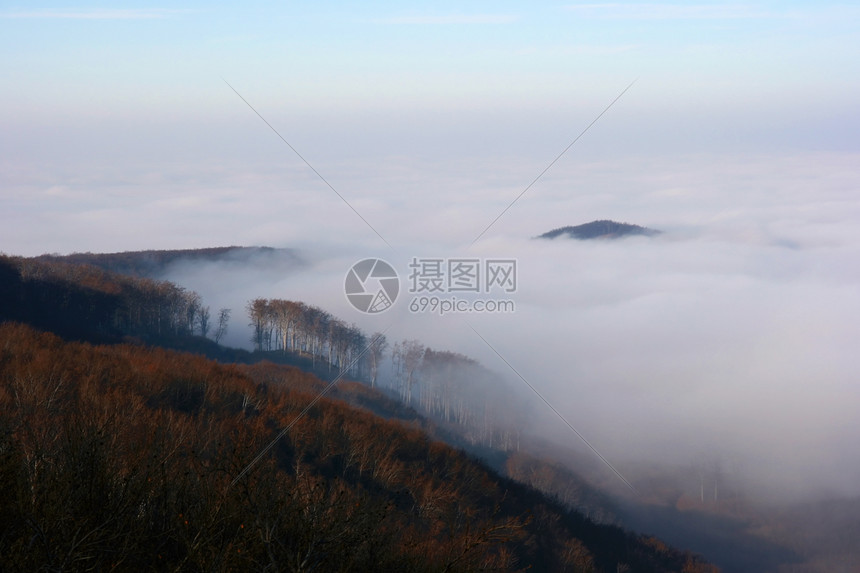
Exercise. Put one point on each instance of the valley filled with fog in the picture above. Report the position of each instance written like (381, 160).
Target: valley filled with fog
(727, 339)
(711, 367)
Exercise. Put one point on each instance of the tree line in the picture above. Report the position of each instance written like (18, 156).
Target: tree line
(447, 386)
(86, 302)
(457, 390)
(292, 326)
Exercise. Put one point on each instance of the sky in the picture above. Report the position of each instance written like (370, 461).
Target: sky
(113, 113)
(732, 127)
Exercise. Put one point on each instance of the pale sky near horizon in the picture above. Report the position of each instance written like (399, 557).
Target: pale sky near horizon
(119, 58)
(111, 112)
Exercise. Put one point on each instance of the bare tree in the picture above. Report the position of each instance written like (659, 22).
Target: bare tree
(378, 345)
(193, 305)
(407, 360)
(334, 333)
(356, 345)
(223, 319)
(317, 323)
(284, 314)
(258, 311)
(203, 321)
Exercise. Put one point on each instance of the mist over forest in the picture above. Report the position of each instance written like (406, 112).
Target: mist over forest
(676, 349)
(675, 183)
(677, 458)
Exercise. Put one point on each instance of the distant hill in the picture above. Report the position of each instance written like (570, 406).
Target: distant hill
(603, 229)
(154, 264)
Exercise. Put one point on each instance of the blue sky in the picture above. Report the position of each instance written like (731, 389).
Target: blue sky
(120, 59)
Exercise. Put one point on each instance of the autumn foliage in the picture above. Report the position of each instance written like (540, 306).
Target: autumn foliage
(128, 457)
(122, 457)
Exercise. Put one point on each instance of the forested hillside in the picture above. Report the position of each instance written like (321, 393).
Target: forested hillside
(122, 457)
(445, 395)
(88, 303)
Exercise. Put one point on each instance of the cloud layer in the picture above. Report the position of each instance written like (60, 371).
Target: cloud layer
(730, 336)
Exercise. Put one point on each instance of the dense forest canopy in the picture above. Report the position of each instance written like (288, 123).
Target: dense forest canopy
(121, 457)
(89, 303)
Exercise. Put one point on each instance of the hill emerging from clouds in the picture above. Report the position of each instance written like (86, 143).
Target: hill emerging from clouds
(156, 264)
(603, 229)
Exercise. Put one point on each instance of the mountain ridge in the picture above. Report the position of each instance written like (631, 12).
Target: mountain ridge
(600, 229)
(154, 263)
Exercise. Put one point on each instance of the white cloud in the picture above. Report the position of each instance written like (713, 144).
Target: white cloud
(118, 14)
(663, 11)
(449, 19)
(735, 330)
(732, 334)
(578, 50)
